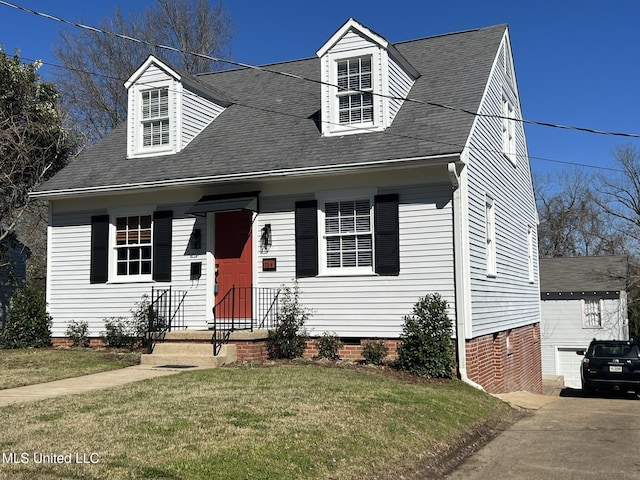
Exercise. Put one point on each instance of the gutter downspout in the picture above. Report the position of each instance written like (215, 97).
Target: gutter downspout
(461, 270)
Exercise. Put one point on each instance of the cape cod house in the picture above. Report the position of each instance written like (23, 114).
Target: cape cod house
(371, 174)
(582, 298)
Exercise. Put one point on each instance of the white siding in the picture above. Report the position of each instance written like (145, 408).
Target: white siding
(370, 306)
(197, 113)
(400, 83)
(72, 297)
(561, 327)
(509, 299)
(351, 41)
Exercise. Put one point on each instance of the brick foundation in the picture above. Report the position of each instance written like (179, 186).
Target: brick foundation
(352, 348)
(507, 361)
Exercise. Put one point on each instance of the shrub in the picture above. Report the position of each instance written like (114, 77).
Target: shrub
(374, 352)
(77, 332)
(426, 339)
(131, 332)
(28, 323)
(328, 346)
(289, 338)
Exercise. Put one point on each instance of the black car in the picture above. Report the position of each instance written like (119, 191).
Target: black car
(611, 366)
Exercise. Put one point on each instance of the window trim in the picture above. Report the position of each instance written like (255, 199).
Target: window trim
(344, 196)
(600, 303)
(114, 214)
(508, 129)
(136, 122)
(530, 263)
(490, 236)
(377, 124)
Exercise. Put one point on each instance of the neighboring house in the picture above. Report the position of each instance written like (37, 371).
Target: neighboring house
(363, 174)
(13, 273)
(582, 298)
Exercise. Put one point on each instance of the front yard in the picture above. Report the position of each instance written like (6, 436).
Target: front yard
(38, 365)
(285, 421)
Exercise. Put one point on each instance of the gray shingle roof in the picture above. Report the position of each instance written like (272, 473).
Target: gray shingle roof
(272, 124)
(588, 274)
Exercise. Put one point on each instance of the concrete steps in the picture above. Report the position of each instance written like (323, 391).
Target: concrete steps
(180, 350)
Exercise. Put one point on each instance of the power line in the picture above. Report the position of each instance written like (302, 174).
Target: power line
(386, 132)
(301, 77)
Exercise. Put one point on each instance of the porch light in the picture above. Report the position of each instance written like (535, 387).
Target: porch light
(265, 237)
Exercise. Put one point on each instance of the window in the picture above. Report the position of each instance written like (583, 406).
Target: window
(530, 253)
(133, 245)
(352, 235)
(155, 117)
(348, 234)
(591, 313)
(355, 91)
(508, 130)
(490, 233)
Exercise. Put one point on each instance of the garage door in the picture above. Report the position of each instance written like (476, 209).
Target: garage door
(569, 366)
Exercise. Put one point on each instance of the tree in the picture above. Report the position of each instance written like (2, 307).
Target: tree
(34, 143)
(572, 221)
(97, 64)
(620, 191)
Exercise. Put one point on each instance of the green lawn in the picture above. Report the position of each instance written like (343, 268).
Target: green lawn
(39, 365)
(298, 421)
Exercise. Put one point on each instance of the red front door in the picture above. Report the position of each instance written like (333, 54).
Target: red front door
(233, 261)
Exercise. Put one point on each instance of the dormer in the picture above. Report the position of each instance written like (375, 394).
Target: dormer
(364, 79)
(167, 109)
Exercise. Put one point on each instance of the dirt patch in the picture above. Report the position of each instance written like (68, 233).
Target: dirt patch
(444, 459)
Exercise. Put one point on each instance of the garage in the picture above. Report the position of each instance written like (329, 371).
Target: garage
(568, 362)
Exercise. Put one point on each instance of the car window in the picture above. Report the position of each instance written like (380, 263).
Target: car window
(615, 350)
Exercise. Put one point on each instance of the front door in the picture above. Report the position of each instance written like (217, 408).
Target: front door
(233, 262)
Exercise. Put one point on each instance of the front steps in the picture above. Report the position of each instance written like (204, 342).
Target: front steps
(192, 348)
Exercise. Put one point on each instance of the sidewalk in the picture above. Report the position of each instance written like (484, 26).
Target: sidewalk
(86, 383)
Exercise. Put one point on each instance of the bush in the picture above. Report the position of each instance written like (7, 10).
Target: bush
(374, 352)
(328, 346)
(123, 332)
(28, 323)
(426, 347)
(289, 338)
(77, 332)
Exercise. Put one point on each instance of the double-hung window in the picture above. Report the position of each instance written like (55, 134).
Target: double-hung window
(348, 235)
(490, 236)
(591, 313)
(133, 246)
(508, 130)
(155, 117)
(355, 91)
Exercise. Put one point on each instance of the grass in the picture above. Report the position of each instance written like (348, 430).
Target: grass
(29, 366)
(296, 421)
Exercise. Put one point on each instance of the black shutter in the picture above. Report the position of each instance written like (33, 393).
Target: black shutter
(162, 245)
(99, 269)
(387, 234)
(306, 238)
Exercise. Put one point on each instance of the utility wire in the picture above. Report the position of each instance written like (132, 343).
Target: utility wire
(301, 77)
(386, 132)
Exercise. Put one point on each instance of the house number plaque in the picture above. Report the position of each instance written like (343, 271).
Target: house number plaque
(268, 264)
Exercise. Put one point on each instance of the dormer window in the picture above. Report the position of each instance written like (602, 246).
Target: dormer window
(355, 91)
(155, 117)
(364, 81)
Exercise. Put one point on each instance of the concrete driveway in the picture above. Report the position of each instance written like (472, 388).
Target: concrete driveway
(570, 438)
